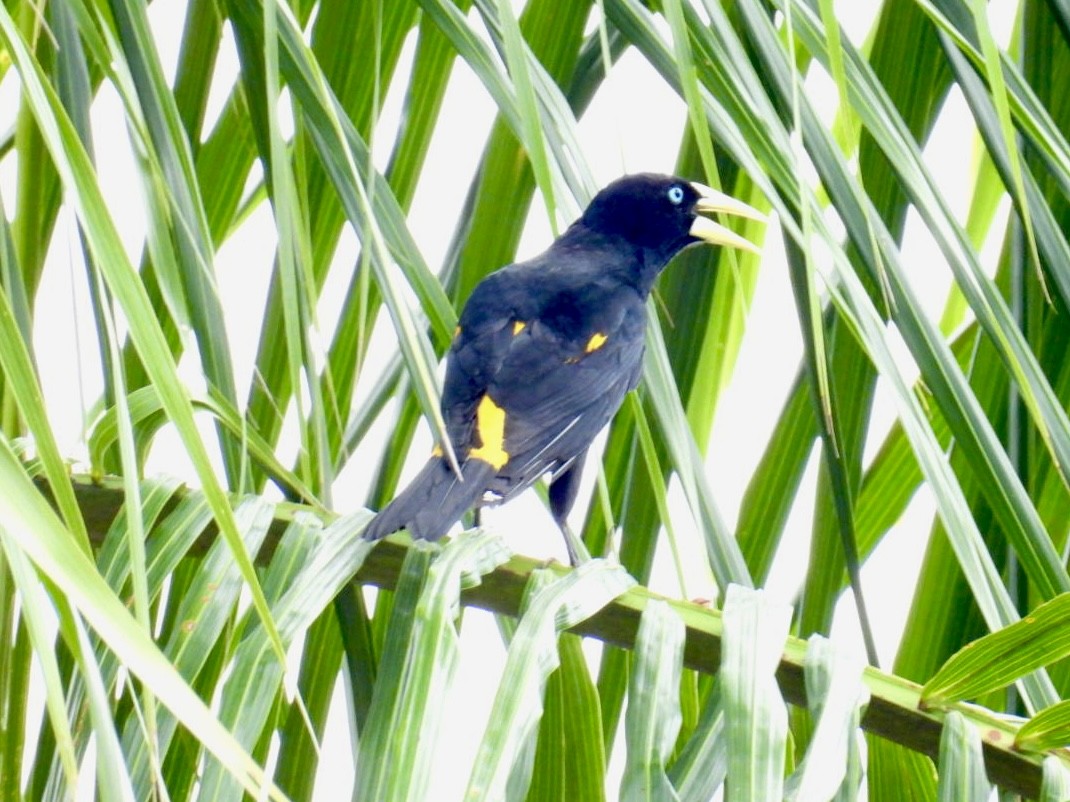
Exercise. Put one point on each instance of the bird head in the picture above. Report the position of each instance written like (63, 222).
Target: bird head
(661, 214)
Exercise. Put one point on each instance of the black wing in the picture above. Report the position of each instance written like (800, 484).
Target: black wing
(484, 337)
(555, 363)
(555, 408)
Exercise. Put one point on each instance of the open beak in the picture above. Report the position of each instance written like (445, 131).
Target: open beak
(713, 202)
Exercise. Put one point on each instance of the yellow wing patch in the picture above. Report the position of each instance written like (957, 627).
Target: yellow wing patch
(598, 339)
(490, 423)
(519, 326)
(437, 451)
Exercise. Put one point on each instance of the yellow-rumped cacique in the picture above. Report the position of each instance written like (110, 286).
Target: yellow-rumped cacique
(546, 349)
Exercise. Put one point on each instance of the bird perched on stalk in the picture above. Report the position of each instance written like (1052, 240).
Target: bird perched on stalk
(546, 350)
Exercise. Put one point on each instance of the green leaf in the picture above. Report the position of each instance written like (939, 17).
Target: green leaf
(570, 756)
(1048, 729)
(112, 773)
(203, 615)
(21, 381)
(997, 660)
(409, 711)
(81, 183)
(774, 485)
(897, 774)
(653, 718)
(657, 484)
(1000, 482)
(832, 767)
(756, 718)
(304, 577)
(674, 15)
(962, 765)
(34, 604)
(702, 764)
(558, 124)
(1056, 784)
(722, 550)
(515, 53)
(34, 528)
(146, 409)
(532, 656)
(386, 702)
(177, 196)
(370, 208)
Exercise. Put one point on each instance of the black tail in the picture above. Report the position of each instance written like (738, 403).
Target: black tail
(433, 501)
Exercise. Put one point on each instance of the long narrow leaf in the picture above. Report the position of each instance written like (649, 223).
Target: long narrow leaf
(1048, 729)
(78, 177)
(755, 715)
(833, 766)
(962, 767)
(398, 767)
(653, 718)
(1056, 784)
(35, 602)
(996, 660)
(37, 532)
(532, 656)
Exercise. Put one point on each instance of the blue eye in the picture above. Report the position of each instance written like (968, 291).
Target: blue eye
(676, 195)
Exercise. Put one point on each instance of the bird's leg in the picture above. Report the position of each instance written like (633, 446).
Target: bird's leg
(563, 489)
(577, 550)
(477, 517)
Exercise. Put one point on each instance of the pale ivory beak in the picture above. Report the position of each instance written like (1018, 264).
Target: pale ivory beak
(713, 202)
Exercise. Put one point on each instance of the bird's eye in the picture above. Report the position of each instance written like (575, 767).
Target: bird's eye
(676, 195)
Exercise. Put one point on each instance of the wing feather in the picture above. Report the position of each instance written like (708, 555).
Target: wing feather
(559, 377)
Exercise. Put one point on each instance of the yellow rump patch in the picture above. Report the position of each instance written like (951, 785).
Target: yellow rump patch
(598, 339)
(490, 423)
(457, 332)
(436, 451)
(518, 327)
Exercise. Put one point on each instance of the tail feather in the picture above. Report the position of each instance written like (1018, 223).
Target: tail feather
(433, 501)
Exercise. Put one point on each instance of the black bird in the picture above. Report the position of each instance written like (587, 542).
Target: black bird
(546, 349)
